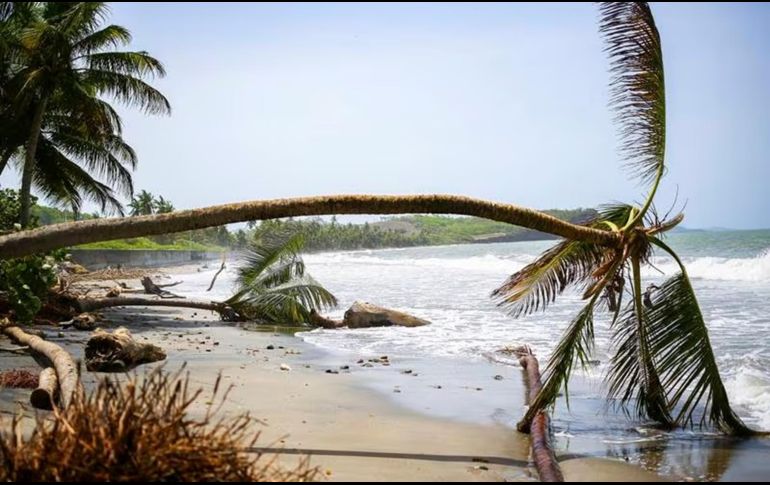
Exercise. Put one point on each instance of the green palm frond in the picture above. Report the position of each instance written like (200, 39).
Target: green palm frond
(99, 157)
(575, 346)
(680, 341)
(288, 303)
(634, 379)
(65, 183)
(539, 283)
(128, 63)
(273, 285)
(638, 84)
(111, 36)
(268, 253)
(127, 89)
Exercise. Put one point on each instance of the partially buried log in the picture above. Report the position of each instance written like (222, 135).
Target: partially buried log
(44, 397)
(66, 370)
(539, 430)
(119, 352)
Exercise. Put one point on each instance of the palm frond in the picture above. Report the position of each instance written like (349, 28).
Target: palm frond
(128, 63)
(65, 183)
(637, 85)
(111, 36)
(291, 302)
(539, 283)
(680, 341)
(99, 157)
(127, 89)
(266, 252)
(633, 375)
(575, 346)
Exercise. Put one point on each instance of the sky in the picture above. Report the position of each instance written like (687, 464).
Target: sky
(500, 101)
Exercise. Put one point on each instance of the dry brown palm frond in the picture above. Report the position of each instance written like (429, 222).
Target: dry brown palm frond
(141, 430)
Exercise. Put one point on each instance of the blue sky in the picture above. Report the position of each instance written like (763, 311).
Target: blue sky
(500, 101)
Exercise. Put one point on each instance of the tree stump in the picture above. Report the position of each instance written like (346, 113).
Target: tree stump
(119, 352)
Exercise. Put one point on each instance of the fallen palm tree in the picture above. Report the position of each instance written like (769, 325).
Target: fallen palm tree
(141, 430)
(543, 455)
(60, 360)
(97, 230)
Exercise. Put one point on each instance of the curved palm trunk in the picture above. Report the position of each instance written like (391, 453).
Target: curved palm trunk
(29, 165)
(82, 232)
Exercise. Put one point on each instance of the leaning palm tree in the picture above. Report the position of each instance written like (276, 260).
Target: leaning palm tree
(68, 62)
(663, 366)
(273, 285)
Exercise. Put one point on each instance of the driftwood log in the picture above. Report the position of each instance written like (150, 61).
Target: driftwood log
(153, 289)
(62, 362)
(539, 430)
(44, 397)
(216, 275)
(226, 312)
(119, 352)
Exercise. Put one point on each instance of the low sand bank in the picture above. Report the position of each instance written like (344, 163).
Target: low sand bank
(351, 431)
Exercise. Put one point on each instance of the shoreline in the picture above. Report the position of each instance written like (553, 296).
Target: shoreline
(349, 429)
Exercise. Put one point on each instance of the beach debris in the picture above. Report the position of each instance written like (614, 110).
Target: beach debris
(332, 371)
(44, 396)
(119, 352)
(285, 368)
(84, 321)
(406, 371)
(66, 370)
(542, 452)
(150, 421)
(499, 378)
(270, 347)
(221, 268)
(18, 379)
(152, 288)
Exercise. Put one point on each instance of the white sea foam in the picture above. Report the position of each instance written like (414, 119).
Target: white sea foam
(749, 388)
(755, 269)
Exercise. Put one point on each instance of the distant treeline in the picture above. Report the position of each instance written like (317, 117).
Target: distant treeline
(407, 231)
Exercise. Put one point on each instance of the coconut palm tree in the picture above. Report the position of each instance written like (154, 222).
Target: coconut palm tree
(663, 365)
(273, 286)
(67, 64)
(143, 204)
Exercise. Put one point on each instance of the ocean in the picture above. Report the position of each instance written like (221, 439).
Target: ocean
(450, 286)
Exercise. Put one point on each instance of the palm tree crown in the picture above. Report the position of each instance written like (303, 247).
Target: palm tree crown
(663, 366)
(63, 67)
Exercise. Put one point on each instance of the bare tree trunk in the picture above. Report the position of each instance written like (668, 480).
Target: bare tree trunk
(25, 193)
(93, 304)
(44, 397)
(539, 430)
(66, 370)
(82, 232)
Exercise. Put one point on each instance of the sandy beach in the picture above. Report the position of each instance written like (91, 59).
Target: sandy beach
(336, 410)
